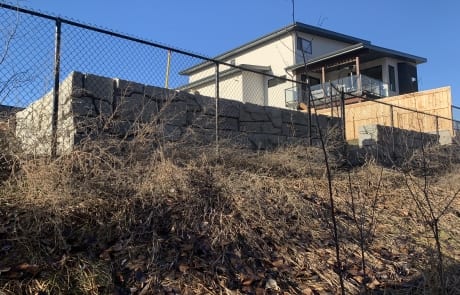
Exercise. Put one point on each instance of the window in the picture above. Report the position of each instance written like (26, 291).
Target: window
(392, 78)
(304, 45)
(276, 81)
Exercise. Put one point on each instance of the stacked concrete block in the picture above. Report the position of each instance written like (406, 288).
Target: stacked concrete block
(393, 144)
(93, 107)
(34, 124)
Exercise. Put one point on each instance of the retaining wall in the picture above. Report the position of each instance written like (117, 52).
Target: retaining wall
(392, 144)
(91, 106)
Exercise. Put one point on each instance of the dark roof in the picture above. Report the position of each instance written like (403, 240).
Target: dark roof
(366, 50)
(299, 27)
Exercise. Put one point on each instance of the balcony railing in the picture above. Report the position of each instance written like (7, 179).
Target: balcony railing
(327, 92)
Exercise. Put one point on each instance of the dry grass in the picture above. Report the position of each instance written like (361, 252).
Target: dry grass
(183, 221)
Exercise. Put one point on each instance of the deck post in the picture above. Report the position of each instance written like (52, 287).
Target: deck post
(323, 75)
(358, 74)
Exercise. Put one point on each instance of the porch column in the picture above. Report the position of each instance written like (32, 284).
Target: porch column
(323, 75)
(358, 74)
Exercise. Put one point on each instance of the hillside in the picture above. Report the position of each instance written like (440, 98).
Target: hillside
(183, 221)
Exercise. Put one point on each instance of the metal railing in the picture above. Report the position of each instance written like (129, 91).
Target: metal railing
(325, 93)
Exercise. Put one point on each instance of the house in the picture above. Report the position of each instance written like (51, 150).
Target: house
(328, 61)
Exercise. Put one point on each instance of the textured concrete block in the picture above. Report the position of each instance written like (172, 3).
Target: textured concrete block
(294, 130)
(99, 87)
(207, 104)
(259, 127)
(126, 88)
(229, 124)
(90, 106)
(296, 117)
(275, 117)
(253, 113)
(136, 108)
(229, 108)
(174, 113)
(173, 132)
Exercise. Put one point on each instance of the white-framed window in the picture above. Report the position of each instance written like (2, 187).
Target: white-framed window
(304, 45)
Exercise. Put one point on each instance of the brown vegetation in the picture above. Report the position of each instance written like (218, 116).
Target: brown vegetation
(180, 220)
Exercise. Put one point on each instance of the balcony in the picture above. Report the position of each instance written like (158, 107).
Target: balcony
(327, 92)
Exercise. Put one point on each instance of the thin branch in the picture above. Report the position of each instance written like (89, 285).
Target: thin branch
(9, 40)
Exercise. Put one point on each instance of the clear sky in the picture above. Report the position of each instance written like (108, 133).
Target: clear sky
(427, 28)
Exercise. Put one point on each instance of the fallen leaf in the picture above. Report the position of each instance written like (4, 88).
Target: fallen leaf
(183, 268)
(307, 291)
(271, 284)
(278, 263)
(29, 268)
(374, 284)
(359, 279)
(246, 289)
(105, 255)
(247, 281)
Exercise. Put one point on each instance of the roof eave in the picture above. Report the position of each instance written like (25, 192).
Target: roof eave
(356, 47)
(412, 58)
(266, 38)
(230, 53)
(339, 52)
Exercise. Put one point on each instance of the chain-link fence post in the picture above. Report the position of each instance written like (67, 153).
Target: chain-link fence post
(168, 69)
(309, 102)
(393, 137)
(437, 125)
(392, 119)
(57, 62)
(217, 107)
(342, 109)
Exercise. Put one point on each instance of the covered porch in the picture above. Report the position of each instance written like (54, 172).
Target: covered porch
(360, 70)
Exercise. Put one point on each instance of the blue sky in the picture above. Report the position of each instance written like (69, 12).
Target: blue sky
(426, 28)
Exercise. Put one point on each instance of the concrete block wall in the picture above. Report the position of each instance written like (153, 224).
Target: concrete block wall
(393, 144)
(91, 106)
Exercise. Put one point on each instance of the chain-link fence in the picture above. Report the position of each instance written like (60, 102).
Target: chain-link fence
(67, 82)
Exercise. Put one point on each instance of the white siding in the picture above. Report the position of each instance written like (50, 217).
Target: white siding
(278, 54)
(320, 46)
(254, 86)
(230, 87)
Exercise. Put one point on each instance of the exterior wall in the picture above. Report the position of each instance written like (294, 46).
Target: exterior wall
(95, 108)
(229, 87)
(207, 72)
(254, 88)
(386, 78)
(276, 94)
(320, 46)
(277, 54)
(437, 102)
